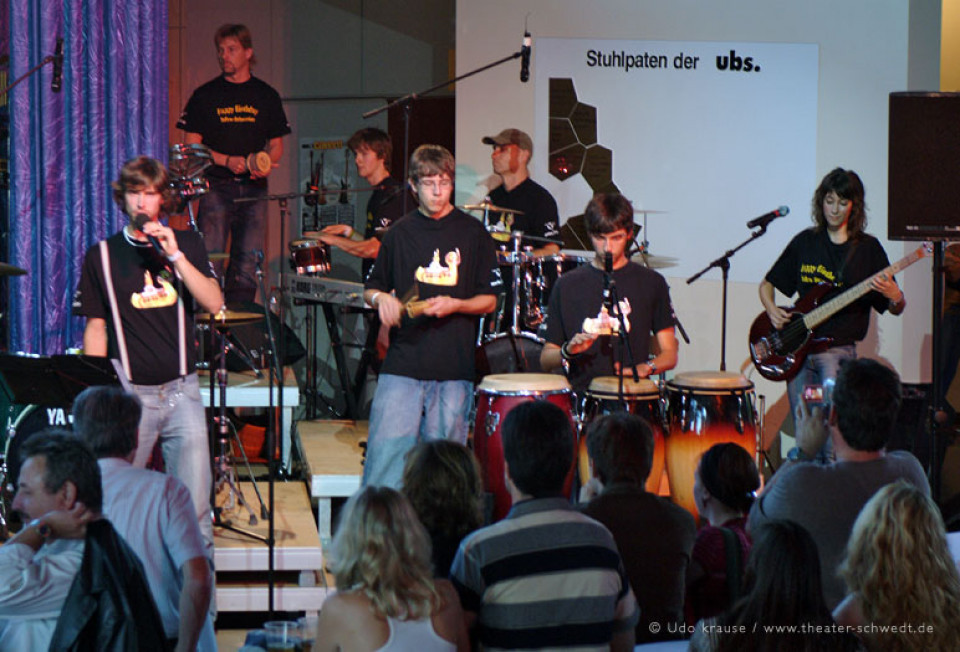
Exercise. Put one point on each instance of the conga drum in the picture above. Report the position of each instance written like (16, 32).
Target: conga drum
(496, 396)
(705, 408)
(642, 399)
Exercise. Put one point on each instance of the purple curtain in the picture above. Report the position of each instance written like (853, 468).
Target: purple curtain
(66, 148)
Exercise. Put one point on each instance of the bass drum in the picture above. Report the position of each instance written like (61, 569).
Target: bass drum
(509, 354)
(32, 420)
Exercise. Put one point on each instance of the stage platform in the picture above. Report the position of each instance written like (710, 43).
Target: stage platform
(333, 459)
(242, 561)
(244, 389)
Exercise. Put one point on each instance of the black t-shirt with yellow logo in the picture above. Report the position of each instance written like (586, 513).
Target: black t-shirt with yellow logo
(234, 119)
(147, 291)
(811, 258)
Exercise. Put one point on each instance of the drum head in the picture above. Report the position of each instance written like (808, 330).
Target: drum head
(523, 384)
(508, 354)
(608, 386)
(710, 380)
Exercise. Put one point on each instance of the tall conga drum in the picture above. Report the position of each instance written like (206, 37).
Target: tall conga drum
(496, 395)
(641, 399)
(705, 408)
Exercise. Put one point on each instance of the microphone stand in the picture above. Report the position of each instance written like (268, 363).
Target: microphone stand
(624, 340)
(47, 59)
(723, 262)
(407, 103)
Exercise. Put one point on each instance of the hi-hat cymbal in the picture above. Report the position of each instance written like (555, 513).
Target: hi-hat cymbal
(487, 206)
(648, 211)
(219, 255)
(230, 317)
(6, 269)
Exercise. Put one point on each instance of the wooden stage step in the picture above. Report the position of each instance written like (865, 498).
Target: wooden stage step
(332, 455)
(242, 562)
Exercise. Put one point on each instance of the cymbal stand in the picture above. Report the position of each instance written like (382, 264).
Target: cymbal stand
(224, 473)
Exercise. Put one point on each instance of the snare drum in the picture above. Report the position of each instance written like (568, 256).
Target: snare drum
(642, 399)
(496, 396)
(310, 257)
(705, 408)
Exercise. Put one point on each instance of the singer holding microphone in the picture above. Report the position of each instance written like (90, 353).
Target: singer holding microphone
(137, 290)
(835, 250)
(581, 325)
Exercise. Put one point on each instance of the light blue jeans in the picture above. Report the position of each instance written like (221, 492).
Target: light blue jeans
(819, 369)
(174, 414)
(405, 411)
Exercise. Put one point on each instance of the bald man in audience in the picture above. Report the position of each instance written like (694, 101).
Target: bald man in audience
(153, 512)
(826, 499)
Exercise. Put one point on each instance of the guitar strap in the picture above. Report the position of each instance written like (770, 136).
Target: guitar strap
(843, 266)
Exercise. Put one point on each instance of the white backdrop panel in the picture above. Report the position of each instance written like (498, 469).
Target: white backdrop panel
(714, 148)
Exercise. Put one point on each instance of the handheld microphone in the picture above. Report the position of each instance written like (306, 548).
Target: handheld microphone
(57, 81)
(764, 220)
(607, 276)
(139, 222)
(525, 57)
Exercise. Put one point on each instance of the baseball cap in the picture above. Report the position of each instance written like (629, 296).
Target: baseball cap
(510, 137)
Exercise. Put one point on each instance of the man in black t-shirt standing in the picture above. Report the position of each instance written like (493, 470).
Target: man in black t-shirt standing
(444, 260)
(138, 302)
(836, 250)
(582, 331)
(372, 151)
(240, 118)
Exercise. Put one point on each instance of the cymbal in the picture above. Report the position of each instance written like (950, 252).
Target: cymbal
(648, 211)
(219, 255)
(6, 269)
(655, 262)
(487, 206)
(230, 317)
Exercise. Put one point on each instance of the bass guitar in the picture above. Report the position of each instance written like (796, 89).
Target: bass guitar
(778, 354)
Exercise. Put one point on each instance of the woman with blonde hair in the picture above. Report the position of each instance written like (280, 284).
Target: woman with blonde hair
(900, 573)
(387, 598)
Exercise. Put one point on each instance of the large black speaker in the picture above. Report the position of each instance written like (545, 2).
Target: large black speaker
(924, 167)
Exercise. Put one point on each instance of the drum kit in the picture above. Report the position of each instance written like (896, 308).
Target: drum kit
(688, 414)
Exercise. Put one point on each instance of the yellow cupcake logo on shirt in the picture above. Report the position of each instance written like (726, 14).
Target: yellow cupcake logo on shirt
(157, 293)
(437, 274)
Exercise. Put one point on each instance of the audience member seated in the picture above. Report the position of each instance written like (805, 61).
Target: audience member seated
(826, 499)
(781, 586)
(99, 602)
(152, 511)
(524, 580)
(724, 487)
(900, 572)
(387, 598)
(654, 535)
(57, 495)
(442, 481)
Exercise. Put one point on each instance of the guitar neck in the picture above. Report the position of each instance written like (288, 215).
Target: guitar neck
(827, 310)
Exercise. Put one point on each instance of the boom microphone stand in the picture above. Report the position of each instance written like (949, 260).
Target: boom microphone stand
(723, 262)
(407, 103)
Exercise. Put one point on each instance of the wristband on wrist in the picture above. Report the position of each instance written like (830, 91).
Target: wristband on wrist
(373, 299)
(565, 353)
(42, 528)
(797, 454)
(653, 367)
(177, 255)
